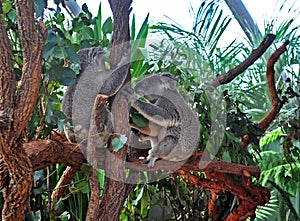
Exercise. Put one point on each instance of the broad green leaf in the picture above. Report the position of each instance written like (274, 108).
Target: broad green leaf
(107, 26)
(49, 49)
(86, 33)
(118, 142)
(39, 6)
(72, 55)
(226, 157)
(65, 216)
(139, 120)
(83, 186)
(6, 6)
(64, 75)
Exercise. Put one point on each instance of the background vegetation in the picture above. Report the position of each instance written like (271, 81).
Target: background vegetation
(193, 57)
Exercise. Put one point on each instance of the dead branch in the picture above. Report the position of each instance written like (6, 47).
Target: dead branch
(233, 73)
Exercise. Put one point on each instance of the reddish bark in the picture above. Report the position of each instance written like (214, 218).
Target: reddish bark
(276, 102)
(18, 106)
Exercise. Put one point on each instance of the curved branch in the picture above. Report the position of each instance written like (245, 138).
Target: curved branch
(44, 153)
(276, 102)
(233, 73)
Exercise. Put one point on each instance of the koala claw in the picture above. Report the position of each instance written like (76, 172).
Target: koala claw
(151, 161)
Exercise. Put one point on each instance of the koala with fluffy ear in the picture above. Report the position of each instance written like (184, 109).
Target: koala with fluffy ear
(173, 128)
(87, 56)
(92, 80)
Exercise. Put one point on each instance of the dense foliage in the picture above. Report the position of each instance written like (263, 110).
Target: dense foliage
(193, 57)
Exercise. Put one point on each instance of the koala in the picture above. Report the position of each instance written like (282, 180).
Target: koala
(173, 128)
(86, 56)
(92, 80)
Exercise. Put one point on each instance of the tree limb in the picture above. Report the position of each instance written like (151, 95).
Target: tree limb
(233, 73)
(32, 37)
(276, 102)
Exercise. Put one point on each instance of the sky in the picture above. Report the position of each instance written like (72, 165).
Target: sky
(180, 11)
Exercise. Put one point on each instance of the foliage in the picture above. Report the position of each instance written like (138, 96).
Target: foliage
(194, 57)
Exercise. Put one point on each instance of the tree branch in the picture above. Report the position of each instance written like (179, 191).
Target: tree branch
(44, 153)
(233, 73)
(32, 37)
(276, 102)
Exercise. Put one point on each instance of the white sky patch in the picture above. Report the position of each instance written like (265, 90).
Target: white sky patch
(181, 12)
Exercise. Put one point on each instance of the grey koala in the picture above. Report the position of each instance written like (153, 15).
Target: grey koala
(173, 128)
(92, 80)
(87, 56)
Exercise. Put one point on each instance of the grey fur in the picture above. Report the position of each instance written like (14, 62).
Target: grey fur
(174, 126)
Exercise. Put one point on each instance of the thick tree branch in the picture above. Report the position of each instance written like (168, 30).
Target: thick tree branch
(32, 37)
(233, 73)
(276, 102)
(44, 153)
(16, 116)
(114, 193)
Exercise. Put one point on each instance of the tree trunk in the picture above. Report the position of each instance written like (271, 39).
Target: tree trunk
(115, 189)
(16, 106)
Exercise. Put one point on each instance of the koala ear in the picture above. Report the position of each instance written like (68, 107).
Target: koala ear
(168, 80)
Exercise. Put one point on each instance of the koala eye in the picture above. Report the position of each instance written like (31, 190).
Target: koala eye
(145, 84)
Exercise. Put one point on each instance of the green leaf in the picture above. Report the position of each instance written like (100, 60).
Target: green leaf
(107, 27)
(132, 34)
(49, 49)
(87, 33)
(65, 216)
(226, 157)
(72, 55)
(39, 6)
(139, 120)
(59, 206)
(83, 186)
(64, 75)
(6, 6)
(118, 143)
(98, 28)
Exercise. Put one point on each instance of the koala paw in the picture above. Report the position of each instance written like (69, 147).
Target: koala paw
(151, 160)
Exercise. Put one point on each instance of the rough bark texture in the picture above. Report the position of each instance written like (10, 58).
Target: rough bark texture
(62, 186)
(114, 193)
(17, 160)
(18, 106)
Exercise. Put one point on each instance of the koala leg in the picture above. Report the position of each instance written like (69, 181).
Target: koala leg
(161, 150)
